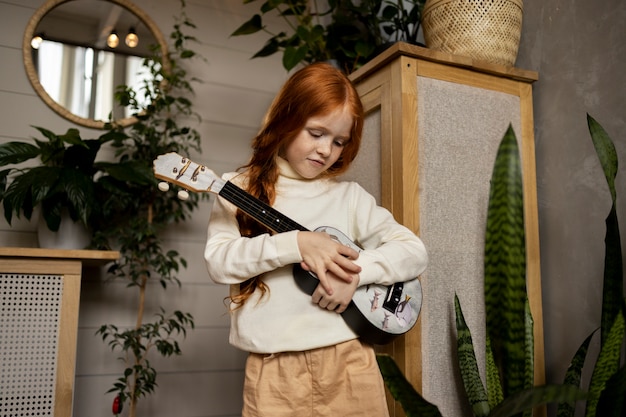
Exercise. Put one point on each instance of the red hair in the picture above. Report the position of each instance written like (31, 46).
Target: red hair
(315, 90)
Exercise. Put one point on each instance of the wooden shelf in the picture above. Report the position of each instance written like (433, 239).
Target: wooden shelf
(425, 54)
(87, 257)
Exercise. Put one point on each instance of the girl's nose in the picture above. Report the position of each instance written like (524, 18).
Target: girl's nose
(324, 147)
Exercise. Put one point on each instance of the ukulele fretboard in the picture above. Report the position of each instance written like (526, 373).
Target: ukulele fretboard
(258, 210)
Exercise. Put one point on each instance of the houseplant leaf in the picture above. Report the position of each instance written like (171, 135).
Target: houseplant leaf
(467, 363)
(572, 376)
(613, 286)
(27, 190)
(130, 171)
(78, 190)
(505, 266)
(253, 25)
(607, 364)
(612, 401)
(532, 397)
(494, 386)
(605, 149)
(529, 351)
(413, 404)
(17, 152)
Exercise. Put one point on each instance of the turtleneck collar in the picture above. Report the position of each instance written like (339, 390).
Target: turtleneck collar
(286, 170)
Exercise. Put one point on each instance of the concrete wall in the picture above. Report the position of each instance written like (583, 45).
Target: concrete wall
(579, 50)
(577, 47)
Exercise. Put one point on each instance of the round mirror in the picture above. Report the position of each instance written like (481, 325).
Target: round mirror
(77, 52)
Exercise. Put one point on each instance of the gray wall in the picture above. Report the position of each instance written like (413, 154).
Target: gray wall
(578, 48)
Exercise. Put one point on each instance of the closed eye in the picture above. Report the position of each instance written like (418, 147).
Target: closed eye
(316, 133)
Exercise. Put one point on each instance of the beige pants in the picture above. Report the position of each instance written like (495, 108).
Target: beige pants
(338, 381)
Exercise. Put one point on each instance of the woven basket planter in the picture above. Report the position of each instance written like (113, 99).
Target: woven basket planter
(486, 30)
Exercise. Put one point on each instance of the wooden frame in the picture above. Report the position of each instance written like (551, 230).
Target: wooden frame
(33, 77)
(389, 85)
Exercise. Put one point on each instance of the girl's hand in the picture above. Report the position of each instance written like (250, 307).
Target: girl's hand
(341, 297)
(322, 254)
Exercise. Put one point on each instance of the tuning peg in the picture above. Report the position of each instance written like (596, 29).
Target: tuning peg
(183, 195)
(163, 186)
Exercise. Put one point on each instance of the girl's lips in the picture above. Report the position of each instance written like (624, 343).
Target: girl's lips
(317, 162)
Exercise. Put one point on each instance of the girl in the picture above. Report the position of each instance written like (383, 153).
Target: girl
(304, 360)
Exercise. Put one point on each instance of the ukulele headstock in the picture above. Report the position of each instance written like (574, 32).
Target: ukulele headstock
(182, 171)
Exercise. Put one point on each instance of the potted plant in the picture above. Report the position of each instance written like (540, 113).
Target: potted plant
(141, 212)
(67, 180)
(306, 43)
(509, 344)
(347, 33)
(607, 387)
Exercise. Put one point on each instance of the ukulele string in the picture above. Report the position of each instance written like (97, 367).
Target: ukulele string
(259, 210)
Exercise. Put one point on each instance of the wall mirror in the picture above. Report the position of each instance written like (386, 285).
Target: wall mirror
(75, 65)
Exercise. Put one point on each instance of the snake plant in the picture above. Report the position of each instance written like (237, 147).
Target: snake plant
(607, 388)
(509, 344)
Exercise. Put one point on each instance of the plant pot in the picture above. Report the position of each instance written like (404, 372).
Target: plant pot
(485, 30)
(71, 235)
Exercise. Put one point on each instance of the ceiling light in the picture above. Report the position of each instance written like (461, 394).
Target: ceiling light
(113, 40)
(35, 43)
(132, 39)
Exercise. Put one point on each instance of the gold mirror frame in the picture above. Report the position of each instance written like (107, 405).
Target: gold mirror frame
(31, 71)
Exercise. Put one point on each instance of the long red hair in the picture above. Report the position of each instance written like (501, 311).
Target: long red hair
(315, 90)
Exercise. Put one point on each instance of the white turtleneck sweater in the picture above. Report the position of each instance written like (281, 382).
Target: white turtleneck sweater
(285, 319)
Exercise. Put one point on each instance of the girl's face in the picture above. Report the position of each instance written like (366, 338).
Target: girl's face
(320, 143)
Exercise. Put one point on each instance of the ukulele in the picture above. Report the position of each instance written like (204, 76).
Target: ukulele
(377, 313)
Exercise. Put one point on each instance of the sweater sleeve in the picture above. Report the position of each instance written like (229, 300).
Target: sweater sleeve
(232, 259)
(391, 252)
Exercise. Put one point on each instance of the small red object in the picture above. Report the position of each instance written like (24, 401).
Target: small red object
(117, 405)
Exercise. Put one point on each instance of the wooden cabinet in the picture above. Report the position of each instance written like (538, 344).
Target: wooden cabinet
(39, 301)
(434, 122)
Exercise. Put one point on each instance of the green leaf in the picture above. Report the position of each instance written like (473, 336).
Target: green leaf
(494, 386)
(505, 266)
(112, 136)
(79, 191)
(271, 47)
(612, 401)
(364, 49)
(413, 404)
(253, 25)
(28, 190)
(467, 363)
(529, 361)
(293, 56)
(72, 136)
(48, 134)
(128, 171)
(613, 285)
(573, 376)
(536, 396)
(3, 181)
(605, 149)
(17, 152)
(607, 364)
